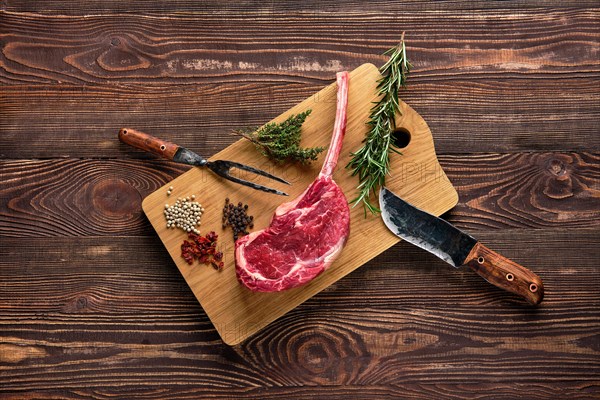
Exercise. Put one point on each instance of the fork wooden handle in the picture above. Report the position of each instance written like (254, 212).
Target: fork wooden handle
(148, 143)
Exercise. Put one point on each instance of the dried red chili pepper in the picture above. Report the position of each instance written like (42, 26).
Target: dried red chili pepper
(203, 249)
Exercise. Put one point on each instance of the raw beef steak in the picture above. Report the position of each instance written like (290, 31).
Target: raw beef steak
(305, 235)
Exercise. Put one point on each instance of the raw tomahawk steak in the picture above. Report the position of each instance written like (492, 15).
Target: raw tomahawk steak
(305, 235)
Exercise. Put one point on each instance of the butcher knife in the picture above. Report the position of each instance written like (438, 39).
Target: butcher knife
(456, 247)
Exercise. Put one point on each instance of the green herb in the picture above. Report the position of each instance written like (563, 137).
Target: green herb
(281, 141)
(372, 161)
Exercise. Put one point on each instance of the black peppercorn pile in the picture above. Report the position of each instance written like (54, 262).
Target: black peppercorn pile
(237, 218)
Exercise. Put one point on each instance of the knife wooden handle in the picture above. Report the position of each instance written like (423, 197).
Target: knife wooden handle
(149, 143)
(506, 274)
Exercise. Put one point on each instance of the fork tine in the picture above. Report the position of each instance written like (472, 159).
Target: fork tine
(257, 171)
(251, 184)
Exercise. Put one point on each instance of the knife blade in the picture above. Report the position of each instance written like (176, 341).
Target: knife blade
(456, 247)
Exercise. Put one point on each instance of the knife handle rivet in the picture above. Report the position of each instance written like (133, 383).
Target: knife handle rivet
(481, 260)
(510, 277)
(533, 287)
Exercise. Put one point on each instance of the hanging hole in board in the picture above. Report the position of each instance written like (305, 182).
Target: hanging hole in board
(481, 260)
(163, 147)
(401, 137)
(510, 277)
(124, 131)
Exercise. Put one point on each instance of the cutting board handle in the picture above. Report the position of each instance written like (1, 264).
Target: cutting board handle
(148, 143)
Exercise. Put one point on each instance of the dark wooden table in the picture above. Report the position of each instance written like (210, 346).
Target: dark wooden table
(91, 305)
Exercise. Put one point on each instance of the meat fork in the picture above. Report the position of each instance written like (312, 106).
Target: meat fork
(179, 154)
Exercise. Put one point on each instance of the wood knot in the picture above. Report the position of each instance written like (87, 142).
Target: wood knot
(79, 303)
(317, 354)
(121, 57)
(115, 199)
(557, 167)
(327, 354)
(320, 355)
(560, 185)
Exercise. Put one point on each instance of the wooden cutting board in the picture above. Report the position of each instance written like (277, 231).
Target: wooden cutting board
(235, 311)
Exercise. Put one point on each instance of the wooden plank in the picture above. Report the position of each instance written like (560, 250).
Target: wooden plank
(279, 8)
(108, 267)
(413, 390)
(405, 321)
(238, 312)
(562, 188)
(78, 197)
(184, 49)
(469, 114)
(523, 190)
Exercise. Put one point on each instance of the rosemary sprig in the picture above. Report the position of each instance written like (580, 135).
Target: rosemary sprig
(281, 141)
(372, 161)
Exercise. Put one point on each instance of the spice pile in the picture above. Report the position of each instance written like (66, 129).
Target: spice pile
(281, 141)
(203, 249)
(184, 214)
(237, 217)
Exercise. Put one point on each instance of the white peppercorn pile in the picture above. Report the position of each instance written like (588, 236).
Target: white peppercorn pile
(184, 214)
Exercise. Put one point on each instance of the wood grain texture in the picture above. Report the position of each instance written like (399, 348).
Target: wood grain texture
(466, 84)
(91, 307)
(138, 49)
(403, 322)
(138, 265)
(532, 190)
(286, 8)
(487, 115)
(69, 197)
(78, 197)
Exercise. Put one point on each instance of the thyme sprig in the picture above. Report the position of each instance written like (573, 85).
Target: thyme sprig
(281, 141)
(372, 161)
